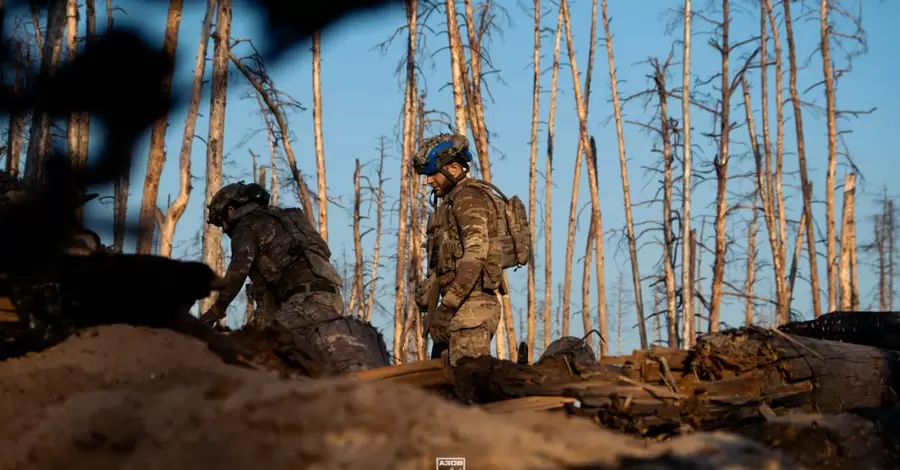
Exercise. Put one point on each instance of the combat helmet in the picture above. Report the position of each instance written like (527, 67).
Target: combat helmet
(441, 150)
(235, 194)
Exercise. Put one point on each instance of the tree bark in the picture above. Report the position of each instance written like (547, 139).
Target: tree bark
(687, 294)
(409, 126)
(173, 214)
(532, 169)
(669, 249)
(804, 178)
(51, 52)
(548, 187)
(156, 160)
(847, 247)
(14, 134)
(322, 187)
(721, 165)
(457, 68)
(592, 177)
(376, 250)
(830, 188)
(629, 221)
(212, 236)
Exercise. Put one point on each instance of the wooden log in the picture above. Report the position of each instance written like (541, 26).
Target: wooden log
(844, 376)
(877, 329)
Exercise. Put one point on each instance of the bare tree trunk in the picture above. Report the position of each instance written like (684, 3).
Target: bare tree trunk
(890, 243)
(804, 178)
(176, 210)
(414, 267)
(457, 67)
(322, 188)
(122, 182)
(773, 210)
(669, 249)
(157, 158)
(75, 128)
(687, 294)
(854, 266)
(696, 282)
(358, 294)
(792, 278)
(879, 244)
(36, 23)
(16, 118)
(721, 165)
(532, 168)
(476, 104)
(830, 187)
(629, 221)
(620, 291)
(657, 307)
(548, 188)
(39, 141)
(846, 242)
(409, 126)
(751, 261)
(379, 210)
(212, 236)
(591, 162)
(586, 281)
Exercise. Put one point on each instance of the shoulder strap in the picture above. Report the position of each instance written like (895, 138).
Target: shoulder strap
(484, 186)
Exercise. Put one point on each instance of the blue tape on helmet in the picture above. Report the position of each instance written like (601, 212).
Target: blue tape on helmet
(431, 161)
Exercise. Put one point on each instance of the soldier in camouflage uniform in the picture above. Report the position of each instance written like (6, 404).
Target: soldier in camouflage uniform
(458, 253)
(290, 272)
(282, 253)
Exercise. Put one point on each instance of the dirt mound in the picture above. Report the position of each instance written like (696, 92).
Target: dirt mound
(138, 398)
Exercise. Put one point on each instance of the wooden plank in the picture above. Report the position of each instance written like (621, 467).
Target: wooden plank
(8, 311)
(383, 373)
(535, 403)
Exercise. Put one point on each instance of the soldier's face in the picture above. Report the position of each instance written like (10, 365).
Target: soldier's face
(438, 182)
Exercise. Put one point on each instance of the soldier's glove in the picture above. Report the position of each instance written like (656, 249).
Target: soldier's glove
(211, 316)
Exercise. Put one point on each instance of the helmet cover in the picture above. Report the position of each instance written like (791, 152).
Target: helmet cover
(234, 194)
(441, 150)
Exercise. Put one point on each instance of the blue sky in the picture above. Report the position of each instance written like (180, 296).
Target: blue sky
(362, 100)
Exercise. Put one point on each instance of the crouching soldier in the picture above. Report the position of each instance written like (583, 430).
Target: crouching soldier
(474, 233)
(289, 262)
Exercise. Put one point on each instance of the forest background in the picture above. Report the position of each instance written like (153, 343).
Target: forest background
(343, 105)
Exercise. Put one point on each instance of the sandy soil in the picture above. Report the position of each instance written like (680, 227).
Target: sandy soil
(120, 397)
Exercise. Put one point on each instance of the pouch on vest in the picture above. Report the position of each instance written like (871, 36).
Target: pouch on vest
(308, 243)
(512, 241)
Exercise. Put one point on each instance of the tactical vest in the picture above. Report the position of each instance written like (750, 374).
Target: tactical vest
(287, 254)
(506, 245)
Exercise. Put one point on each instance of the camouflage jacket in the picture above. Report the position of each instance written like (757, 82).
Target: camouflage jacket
(459, 234)
(279, 250)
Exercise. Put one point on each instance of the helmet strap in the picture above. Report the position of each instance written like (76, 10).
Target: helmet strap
(454, 180)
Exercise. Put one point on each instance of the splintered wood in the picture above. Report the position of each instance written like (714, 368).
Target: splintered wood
(727, 380)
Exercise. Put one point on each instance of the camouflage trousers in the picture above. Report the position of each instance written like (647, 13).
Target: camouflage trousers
(346, 344)
(303, 310)
(467, 332)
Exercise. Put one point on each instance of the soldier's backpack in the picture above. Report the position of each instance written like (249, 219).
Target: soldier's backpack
(513, 239)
